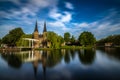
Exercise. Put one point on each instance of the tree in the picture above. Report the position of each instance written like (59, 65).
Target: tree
(0, 42)
(87, 38)
(13, 36)
(115, 39)
(72, 39)
(67, 37)
(22, 42)
(55, 39)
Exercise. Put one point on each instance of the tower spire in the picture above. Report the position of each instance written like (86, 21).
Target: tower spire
(36, 27)
(45, 30)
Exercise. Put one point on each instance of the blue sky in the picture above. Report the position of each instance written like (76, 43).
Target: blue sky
(101, 17)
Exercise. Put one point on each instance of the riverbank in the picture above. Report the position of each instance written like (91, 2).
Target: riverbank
(10, 49)
(76, 47)
(63, 47)
(66, 47)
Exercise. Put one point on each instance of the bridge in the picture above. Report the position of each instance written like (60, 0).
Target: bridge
(20, 48)
(30, 45)
(31, 42)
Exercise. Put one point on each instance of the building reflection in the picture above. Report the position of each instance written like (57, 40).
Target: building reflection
(36, 63)
(47, 59)
(41, 57)
(16, 59)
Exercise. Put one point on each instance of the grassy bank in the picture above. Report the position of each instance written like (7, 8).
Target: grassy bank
(76, 47)
(66, 47)
(71, 47)
(44, 48)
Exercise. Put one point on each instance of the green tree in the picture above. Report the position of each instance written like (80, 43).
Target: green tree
(72, 39)
(67, 37)
(0, 42)
(22, 42)
(87, 38)
(115, 39)
(13, 36)
(55, 39)
(61, 40)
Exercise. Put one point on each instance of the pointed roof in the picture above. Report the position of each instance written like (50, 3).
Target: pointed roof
(45, 30)
(36, 27)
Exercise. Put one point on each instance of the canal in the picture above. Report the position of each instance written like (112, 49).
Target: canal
(64, 64)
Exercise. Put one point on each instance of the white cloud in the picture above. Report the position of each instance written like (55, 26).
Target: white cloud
(62, 17)
(105, 29)
(69, 5)
(83, 25)
(67, 17)
(58, 26)
(54, 14)
(116, 27)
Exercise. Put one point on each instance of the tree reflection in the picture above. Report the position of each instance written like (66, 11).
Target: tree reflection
(86, 56)
(67, 56)
(54, 58)
(72, 53)
(113, 52)
(13, 60)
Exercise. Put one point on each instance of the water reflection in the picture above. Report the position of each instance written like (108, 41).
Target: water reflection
(40, 58)
(72, 53)
(54, 58)
(111, 52)
(13, 60)
(49, 58)
(86, 56)
(67, 56)
(58, 64)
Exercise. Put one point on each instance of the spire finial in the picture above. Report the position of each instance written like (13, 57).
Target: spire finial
(45, 30)
(36, 27)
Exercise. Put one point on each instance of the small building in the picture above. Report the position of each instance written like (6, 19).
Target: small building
(109, 44)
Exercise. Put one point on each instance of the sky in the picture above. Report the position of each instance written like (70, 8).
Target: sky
(101, 17)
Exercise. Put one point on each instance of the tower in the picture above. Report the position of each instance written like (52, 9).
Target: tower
(36, 36)
(44, 36)
(44, 30)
